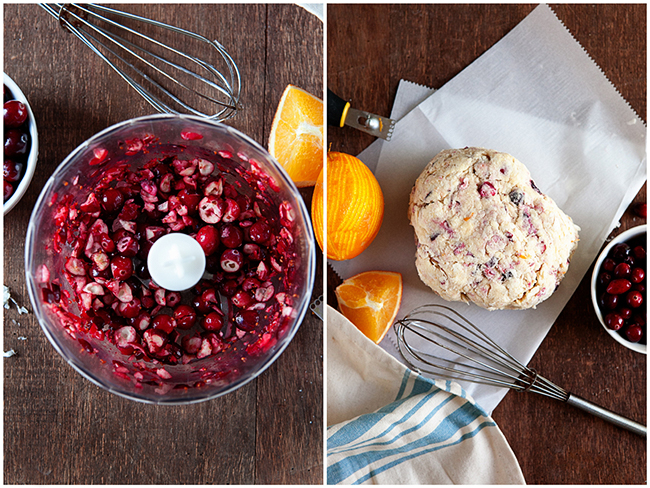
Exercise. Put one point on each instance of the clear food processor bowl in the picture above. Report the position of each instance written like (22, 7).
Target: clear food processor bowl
(83, 312)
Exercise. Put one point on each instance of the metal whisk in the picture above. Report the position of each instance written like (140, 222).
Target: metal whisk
(437, 340)
(162, 70)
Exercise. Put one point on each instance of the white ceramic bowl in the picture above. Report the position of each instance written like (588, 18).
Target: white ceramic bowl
(623, 237)
(33, 151)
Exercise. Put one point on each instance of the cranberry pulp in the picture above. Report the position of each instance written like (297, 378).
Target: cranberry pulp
(101, 291)
(621, 289)
(17, 143)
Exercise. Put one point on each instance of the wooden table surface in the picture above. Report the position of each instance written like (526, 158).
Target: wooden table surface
(58, 427)
(369, 49)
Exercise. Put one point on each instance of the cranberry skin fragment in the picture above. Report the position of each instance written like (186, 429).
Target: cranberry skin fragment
(208, 238)
(15, 114)
(16, 142)
(212, 322)
(112, 200)
(634, 299)
(122, 268)
(185, 317)
(634, 333)
(622, 270)
(614, 321)
(637, 275)
(616, 287)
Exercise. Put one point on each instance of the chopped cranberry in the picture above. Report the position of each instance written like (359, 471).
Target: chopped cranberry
(163, 322)
(212, 322)
(487, 190)
(15, 114)
(208, 238)
(231, 236)
(260, 232)
(122, 268)
(205, 302)
(190, 199)
(185, 317)
(232, 260)
(112, 200)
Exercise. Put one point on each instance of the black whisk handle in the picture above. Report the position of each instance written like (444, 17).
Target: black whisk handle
(605, 414)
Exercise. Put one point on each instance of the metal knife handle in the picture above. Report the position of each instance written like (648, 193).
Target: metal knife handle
(337, 109)
(605, 414)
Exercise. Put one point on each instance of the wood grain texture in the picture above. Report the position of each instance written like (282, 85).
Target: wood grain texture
(369, 49)
(58, 427)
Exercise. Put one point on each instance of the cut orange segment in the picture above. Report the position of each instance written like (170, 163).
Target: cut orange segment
(296, 138)
(355, 207)
(371, 300)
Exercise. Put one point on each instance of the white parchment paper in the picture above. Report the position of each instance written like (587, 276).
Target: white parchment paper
(537, 95)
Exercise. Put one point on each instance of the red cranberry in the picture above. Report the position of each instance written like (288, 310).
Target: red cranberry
(208, 237)
(163, 322)
(260, 232)
(634, 299)
(190, 199)
(604, 279)
(622, 270)
(626, 313)
(12, 171)
(242, 299)
(212, 322)
(122, 268)
(609, 264)
(641, 209)
(634, 333)
(185, 317)
(130, 310)
(640, 287)
(15, 114)
(614, 321)
(232, 260)
(205, 302)
(16, 142)
(8, 190)
(617, 287)
(231, 236)
(639, 252)
(487, 190)
(637, 275)
(246, 320)
(609, 301)
(112, 200)
(620, 251)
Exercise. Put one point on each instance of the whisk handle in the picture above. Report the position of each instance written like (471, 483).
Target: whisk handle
(605, 414)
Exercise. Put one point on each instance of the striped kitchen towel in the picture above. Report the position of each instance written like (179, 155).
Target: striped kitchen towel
(389, 425)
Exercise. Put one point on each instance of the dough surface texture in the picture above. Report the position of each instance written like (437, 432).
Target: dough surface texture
(485, 233)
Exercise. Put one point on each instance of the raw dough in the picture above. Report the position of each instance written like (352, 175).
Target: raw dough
(485, 233)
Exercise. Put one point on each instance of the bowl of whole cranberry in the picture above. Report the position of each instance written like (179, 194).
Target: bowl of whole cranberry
(21, 144)
(618, 288)
(87, 266)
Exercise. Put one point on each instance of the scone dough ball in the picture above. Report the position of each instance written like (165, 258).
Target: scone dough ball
(485, 233)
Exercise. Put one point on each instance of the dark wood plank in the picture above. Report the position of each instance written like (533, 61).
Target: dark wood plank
(372, 47)
(60, 428)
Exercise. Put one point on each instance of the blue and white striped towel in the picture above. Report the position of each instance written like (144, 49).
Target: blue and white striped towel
(389, 425)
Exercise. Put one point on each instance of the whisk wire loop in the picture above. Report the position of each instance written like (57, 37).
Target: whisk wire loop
(123, 56)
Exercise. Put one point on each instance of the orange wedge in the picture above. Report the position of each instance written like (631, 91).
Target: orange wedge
(296, 138)
(371, 300)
